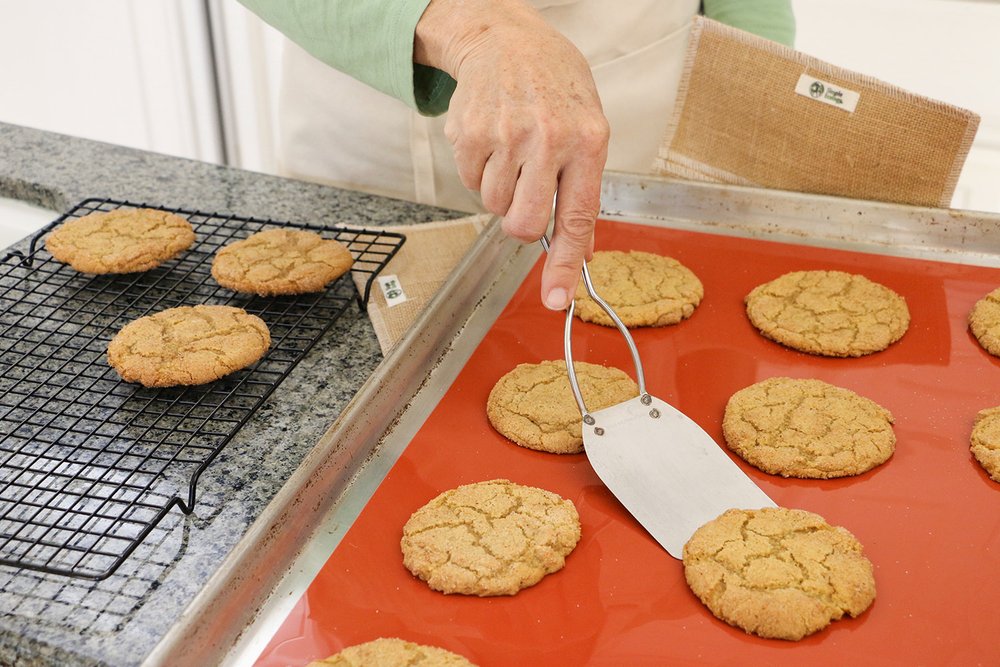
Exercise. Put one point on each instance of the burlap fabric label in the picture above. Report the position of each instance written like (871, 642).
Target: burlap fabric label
(415, 274)
(753, 112)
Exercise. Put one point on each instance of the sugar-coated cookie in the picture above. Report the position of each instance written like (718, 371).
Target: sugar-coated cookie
(807, 428)
(644, 289)
(392, 652)
(125, 240)
(830, 313)
(281, 261)
(984, 322)
(188, 345)
(489, 538)
(778, 573)
(986, 441)
(533, 404)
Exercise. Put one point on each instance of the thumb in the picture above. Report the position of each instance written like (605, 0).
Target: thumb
(572, 241)
(577, 203)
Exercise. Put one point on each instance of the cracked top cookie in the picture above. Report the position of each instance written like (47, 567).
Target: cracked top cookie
(807, 428)
(644, 289)
(778, 573)
(984, 322)
(392, 652)
(281, 261)
(489, 538)
(986, 441)
(188, 345)
(830, 313)
(533, 405)
(125, 240)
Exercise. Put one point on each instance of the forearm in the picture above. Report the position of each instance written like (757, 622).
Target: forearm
(449, 30)
(372, 40)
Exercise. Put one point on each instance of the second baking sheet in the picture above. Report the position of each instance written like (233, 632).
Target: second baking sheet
(925, 517)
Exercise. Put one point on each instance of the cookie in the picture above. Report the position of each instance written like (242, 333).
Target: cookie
(188, 345)
(807, 428)
(829, 313)
(489, 538)
(984, 322)
(986, 441)
(392, 652)
(281, 261)
(644, 289)
(533, 405)
(778, 573)
(125, 240)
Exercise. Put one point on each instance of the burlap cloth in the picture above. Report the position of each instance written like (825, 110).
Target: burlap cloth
(427, 257)
(739, 120)
(749, 112)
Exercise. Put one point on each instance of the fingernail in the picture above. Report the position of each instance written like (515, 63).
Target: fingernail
(556, 299)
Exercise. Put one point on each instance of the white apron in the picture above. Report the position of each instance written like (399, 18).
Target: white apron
(335, 130)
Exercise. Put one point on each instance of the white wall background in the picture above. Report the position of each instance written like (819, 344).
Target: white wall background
(132, 73)
(139, 73)
(945, 49)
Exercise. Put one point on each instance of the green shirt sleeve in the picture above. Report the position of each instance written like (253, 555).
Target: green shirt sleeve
(372, 40)
(771, 19)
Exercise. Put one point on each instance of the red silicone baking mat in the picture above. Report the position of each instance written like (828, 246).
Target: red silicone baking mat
(929, 518)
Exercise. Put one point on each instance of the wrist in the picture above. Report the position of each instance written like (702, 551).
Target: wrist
(449, 31)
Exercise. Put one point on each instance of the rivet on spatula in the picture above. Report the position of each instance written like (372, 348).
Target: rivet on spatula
(588, 420)
(646, 399)
(654, 413)
(598, 430)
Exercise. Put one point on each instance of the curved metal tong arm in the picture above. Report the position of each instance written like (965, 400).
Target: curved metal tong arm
(568, 340)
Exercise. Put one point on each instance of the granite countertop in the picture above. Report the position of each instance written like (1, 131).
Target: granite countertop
(53, 619)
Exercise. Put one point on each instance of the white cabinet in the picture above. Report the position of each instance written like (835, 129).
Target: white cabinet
(126, 72)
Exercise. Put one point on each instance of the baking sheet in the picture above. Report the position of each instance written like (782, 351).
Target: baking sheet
(927, 517)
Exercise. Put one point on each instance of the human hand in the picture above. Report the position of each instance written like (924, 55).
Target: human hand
(526, 125)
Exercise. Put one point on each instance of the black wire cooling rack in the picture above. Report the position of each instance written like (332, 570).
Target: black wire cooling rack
(90, 464)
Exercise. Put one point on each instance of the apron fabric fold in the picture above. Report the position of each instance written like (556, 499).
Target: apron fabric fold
(335, 130)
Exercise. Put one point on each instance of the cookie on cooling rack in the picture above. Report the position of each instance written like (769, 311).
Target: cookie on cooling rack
(829, 313)
(125, 240)
(807, 428)
(489, 538)
(986, 441)
(644, 289)
(533, 405)
(778, 573)
(392, 652)
(984, 322)
(188, 345)
(281, 261)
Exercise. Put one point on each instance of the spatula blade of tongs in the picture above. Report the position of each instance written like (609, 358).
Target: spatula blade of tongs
(662, 466)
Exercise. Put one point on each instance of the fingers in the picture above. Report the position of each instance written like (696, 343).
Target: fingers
(471, 150)
(490, 151)
(500, 176)
(527, 219)
(520, 132)
(523, 195)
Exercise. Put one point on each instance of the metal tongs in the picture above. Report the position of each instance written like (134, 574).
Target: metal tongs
(663, 467)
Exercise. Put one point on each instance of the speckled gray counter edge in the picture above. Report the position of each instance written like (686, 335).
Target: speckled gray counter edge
(56, 172)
